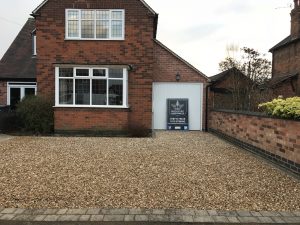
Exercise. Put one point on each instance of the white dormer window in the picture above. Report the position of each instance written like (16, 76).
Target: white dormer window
(95, 24)
(34, 44)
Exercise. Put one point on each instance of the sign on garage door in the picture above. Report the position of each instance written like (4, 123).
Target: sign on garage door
(164, 91)
(178, 114)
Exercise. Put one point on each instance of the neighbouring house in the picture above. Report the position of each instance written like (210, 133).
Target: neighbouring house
(100, 62)
(227, 90)
(18, 67)
(286, 60)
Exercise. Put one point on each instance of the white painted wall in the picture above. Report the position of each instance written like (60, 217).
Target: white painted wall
(163, 91)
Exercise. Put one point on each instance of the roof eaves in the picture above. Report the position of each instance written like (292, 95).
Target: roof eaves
(218, 76)
(181, 59)
(288, 40)
(34, 12)
(281, 79)
(148, 7)
(223, 74)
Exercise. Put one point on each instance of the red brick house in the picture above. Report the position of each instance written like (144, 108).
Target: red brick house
(17, 67)
(100, 62)
(286, 60)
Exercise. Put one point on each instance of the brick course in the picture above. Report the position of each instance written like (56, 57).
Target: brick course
(91, 119)
(277, 136)
(3, 93)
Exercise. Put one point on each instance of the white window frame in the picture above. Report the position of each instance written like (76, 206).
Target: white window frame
(34, 44)
(95, 35)
(91, 78)
(22, 86)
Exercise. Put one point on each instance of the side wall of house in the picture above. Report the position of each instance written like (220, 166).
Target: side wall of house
(280, 139)
(135, 50)
(167, 66)
(286, 60)
(3, 93)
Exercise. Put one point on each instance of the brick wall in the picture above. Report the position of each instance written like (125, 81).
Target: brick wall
(286, 89)
(276, 136)
(91, 119)
(3, 93)
(167, 66)
(136, 49)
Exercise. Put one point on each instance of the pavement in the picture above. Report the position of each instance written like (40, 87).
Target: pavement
(4, 137)
(13, 216)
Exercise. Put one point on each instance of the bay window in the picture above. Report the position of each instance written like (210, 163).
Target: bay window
(91, 87)
(95, 24)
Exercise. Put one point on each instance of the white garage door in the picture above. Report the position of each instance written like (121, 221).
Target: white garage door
(164, 91)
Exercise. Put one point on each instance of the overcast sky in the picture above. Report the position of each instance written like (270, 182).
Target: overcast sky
(197, 30)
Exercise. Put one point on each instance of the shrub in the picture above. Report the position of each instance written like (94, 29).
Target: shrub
(8, 121)
(284, 108)
(36, 114)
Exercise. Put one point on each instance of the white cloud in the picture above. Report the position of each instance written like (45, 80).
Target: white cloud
(198, 30)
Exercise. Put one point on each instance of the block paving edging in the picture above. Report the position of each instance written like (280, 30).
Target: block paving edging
(14, 215)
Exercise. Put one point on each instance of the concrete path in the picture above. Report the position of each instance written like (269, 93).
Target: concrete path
(143, 217)
(4, 137)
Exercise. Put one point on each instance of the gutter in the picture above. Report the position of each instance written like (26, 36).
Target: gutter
(206, 107)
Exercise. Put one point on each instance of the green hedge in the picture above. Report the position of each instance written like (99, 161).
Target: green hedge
(36, 114)
(284, 108)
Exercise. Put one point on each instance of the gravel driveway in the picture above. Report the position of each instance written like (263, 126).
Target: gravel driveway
(173, 170)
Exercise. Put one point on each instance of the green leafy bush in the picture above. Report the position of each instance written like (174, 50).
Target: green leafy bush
(36, 114)
(284, 108)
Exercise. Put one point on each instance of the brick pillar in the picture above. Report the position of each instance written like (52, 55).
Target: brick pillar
(295, 20)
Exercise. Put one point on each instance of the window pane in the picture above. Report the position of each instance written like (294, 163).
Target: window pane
(65, 92)
(29, 91)
(116, 29)
(15, 97)
(99, 92)
(87, 14)
(73, 30)
(115, 92)
(115, 73)
(87, 29)
(82, 92)
(99, 72)
(73, 15)
(102, 15)
(65, 72)
(82, 72)
(102, 29)
(34, 44)
(116, 15)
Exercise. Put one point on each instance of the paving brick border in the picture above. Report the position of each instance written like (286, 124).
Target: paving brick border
(12, 216)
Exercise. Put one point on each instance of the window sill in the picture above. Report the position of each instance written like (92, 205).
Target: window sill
(91, 107)
(93, 39)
